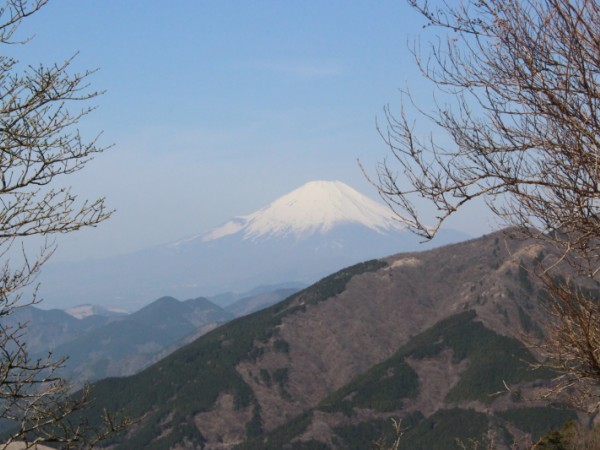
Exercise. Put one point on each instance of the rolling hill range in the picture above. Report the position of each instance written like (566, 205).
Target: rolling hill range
(125, 346)
(49, 329)
(101, 343)
(302, 236)
(433, 338)
(99, 346)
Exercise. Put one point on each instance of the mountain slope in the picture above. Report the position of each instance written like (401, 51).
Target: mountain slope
(476, 364)
(126, 345)
(297, 366)
(303, 236)
(247, 305)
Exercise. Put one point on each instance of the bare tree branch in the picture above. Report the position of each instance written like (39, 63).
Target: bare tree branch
(40, 108)
(521, 126)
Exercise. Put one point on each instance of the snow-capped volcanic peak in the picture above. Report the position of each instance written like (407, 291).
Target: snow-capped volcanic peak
(316, 207)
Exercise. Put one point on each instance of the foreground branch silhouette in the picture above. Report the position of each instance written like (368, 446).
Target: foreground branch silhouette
(39, 143)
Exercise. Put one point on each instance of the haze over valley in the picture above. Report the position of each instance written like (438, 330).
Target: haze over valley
(300, 237)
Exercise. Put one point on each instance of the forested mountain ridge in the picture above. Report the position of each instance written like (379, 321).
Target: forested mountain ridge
(311, 370)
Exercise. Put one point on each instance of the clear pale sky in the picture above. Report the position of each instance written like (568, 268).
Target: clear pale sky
(217, 108)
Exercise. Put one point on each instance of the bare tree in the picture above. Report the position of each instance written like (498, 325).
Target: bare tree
(518, 109)
(39, 143)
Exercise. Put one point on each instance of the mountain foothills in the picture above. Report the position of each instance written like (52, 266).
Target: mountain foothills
(100, 342)
(123, 347)
(302, 236)
(432, 338)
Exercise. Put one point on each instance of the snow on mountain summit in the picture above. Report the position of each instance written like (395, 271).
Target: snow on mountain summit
(316, 207)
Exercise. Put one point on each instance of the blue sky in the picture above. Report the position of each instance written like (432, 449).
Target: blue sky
(216, 108)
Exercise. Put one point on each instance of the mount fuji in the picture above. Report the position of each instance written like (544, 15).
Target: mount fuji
(302, 236)
(315, 208)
